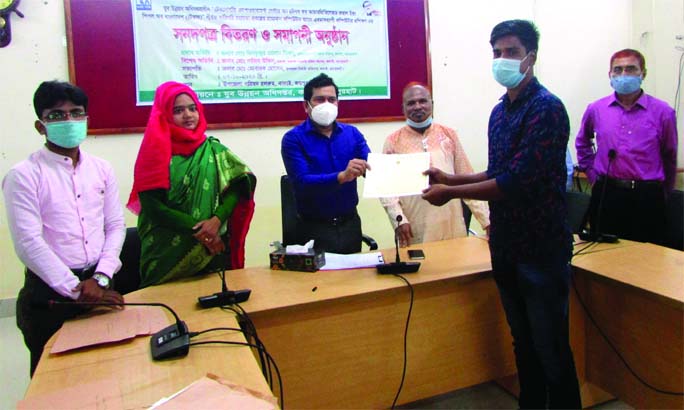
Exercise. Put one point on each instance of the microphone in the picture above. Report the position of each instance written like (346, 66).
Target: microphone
(396, 240)
(225, 297)
(172, 341)
(595, 234)
(398, 266)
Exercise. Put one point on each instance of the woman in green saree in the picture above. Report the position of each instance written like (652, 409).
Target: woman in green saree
(194, 197)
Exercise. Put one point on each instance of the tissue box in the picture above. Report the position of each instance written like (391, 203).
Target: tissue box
(306, 262)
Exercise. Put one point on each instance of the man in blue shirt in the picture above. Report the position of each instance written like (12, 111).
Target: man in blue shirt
(570, 166)
(530, 241)
(323, 158)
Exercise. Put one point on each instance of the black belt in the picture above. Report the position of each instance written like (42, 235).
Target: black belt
(85, 273)
(39, 292)
(82, 274)
(631, 184)
(334, 220)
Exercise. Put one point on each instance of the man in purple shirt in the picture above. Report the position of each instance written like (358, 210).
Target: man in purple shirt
(627, 146)
(65, 219)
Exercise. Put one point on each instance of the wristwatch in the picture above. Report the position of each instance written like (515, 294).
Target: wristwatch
(102, 280)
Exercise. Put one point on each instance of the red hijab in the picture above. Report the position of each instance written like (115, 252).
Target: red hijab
(163, 139)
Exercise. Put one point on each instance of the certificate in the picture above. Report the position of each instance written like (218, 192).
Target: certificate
(396, 175)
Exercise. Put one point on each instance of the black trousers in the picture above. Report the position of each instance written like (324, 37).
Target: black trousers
(534, 296)
(633, 213)
(36, 319)
(336, 235)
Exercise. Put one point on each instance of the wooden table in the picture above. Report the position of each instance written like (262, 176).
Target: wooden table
(636, 295)
(142, 381)
(337, 336)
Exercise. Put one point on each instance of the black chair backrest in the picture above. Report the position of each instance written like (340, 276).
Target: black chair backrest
(127, 279)
(467, 216)
(288, 211)
(290, 220)
(578, 206)
(674, 214)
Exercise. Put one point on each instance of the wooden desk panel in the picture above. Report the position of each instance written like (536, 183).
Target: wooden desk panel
(636, 295)
(341, 346)
(653, 269)
(648, 334)
(348, 353)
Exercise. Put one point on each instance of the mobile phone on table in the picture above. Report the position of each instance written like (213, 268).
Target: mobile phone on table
(416, 254)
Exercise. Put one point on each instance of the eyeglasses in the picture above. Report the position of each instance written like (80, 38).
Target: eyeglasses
(59, 115)
(629, 69)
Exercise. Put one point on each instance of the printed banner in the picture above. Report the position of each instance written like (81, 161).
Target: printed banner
(234, 51)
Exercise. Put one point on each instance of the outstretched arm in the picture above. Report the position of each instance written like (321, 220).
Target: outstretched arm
(437, 176)
(440, 194)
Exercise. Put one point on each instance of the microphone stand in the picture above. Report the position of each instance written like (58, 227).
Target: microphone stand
(225, 297)
(398, 266)
(172, 341)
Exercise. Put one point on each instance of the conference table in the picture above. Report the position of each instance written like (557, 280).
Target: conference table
(635, 293)
(338, 336)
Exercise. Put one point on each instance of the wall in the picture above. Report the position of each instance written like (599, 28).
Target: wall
(656, 25)
(577, 39)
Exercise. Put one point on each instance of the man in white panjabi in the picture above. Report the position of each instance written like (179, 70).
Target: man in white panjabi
(421, 221)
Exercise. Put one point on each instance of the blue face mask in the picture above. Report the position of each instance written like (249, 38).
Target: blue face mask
(66, 134)
(419, 125)
(626, 84)
(507, 71)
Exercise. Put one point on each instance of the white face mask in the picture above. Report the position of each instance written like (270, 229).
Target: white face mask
(66, 134)
(507, 71)
(324, 114)
(419, 125)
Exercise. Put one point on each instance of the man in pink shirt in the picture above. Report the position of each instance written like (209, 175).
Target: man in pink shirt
(65, 219)
(627, 146)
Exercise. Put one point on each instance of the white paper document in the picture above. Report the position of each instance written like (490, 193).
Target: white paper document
(335, 261)
(396, 175)
(213, 392)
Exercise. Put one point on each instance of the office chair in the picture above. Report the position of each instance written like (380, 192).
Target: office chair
(576, 180)
(674, 220)
(578, 206)
(127, 279)
(290, 220)
(467, 216)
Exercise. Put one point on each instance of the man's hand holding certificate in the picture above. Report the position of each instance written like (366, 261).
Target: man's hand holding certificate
(396, 175)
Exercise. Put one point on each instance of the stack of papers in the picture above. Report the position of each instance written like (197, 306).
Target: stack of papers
(107, 326)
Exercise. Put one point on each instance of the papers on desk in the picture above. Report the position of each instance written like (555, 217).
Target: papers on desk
(107, 326)
(212, 392)
(335, 261)
(101, 394)
(396, 175)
